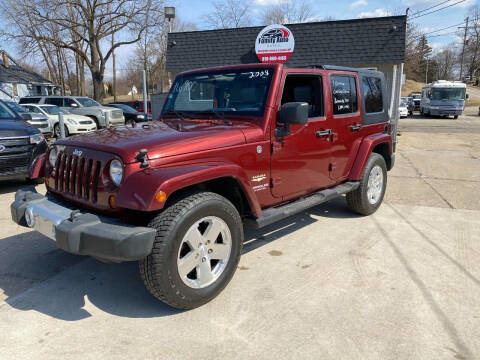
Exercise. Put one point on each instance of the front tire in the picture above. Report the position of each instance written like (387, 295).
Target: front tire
(196, 250)
(368, 197)
(56, 131)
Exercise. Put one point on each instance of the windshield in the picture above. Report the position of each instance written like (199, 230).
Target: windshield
(403, 104)
(87, 102)
(416, 96)
(241, 91)
(448, 93)
(6, 113)
(16, 107)
(53, 110)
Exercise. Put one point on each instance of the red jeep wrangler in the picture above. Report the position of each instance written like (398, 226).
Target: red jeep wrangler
(249, 143)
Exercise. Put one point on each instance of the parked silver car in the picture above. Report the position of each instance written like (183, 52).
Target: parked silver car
(81, 105)
(39, 121)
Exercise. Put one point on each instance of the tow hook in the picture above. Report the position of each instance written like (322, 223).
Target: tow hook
(142, 157)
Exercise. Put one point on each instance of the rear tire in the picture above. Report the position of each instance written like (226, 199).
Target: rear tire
(180, 245)
(368, 197)
(455, 117)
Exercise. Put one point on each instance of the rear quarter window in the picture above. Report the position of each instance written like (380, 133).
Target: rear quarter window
(372, 93)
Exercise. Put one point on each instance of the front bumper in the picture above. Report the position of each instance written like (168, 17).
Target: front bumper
(81, 233)
(445, 112)
(82, 128)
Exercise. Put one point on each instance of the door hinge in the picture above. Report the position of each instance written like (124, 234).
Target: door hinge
(275, 182)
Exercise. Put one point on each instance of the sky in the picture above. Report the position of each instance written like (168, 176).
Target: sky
(194, 11)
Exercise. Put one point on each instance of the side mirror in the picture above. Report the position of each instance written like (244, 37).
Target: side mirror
(466, 96)
(291, 113)
(26, 116)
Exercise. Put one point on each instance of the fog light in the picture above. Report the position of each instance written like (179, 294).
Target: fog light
(111, 201)
(29, 218)
(161, 197)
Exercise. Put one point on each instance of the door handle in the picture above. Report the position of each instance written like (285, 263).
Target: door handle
(324, 134)
(355, 127)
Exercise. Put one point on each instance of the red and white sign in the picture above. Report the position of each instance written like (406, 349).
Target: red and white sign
(274, 44)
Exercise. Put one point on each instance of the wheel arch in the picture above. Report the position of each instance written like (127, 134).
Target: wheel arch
(228, 187)
(228, 180)
(377, 143)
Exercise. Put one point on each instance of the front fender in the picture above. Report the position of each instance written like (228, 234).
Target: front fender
(37, 166)
(366, 148)
(139, 190)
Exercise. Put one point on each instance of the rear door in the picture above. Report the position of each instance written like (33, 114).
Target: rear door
(346, 122)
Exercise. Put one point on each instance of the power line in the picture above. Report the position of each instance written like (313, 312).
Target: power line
(427, 34)
(431, 7)
(434, 11)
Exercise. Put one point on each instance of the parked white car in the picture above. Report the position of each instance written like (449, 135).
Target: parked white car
(74, 124)
(403, 110)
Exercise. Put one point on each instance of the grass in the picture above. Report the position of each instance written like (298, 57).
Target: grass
(109, 99)
(472, 102)
(411, 86)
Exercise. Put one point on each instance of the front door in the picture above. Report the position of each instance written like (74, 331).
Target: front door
(300, 160)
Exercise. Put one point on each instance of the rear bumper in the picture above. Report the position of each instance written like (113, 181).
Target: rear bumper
(81, 233)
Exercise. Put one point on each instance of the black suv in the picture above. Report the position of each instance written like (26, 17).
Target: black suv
(21, 145)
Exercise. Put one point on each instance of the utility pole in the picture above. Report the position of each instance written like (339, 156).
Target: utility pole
(463, 48)
(114, 70)
(426, 72)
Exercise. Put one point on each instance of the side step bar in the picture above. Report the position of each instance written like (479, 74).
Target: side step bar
(274, 214)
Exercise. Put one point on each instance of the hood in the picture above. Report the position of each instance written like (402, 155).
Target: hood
(159, 139)
(76, 117)
(101, 108)
(38, 117)
(13, 128)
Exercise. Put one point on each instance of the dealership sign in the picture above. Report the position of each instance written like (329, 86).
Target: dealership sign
(274, 44)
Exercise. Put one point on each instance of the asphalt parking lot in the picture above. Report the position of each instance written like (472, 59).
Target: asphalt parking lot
(326, 284)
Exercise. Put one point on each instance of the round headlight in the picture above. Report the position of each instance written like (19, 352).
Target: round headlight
(52, 157)
(116, 172)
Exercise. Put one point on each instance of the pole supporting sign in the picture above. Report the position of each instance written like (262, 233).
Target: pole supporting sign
(274, 44)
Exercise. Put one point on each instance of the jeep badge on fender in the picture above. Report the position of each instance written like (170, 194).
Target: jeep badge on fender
(227, 150)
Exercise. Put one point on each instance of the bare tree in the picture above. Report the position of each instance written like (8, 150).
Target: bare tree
(86, 26)
(150, 54)
(472, 46)
(229, 14)
(288, 12)
(446, 60)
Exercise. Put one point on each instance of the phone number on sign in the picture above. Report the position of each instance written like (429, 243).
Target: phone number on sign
(273, 58)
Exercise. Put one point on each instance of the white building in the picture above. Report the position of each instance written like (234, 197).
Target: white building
(17, 82)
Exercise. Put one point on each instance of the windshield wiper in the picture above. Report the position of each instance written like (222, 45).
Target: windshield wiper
(218, 114)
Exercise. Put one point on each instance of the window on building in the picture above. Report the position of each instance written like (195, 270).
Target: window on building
(344, 94)
(372, 93)
(305, 88)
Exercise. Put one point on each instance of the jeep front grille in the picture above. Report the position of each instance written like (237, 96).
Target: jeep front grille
(77, 176)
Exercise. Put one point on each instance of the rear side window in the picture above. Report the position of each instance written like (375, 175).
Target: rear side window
(33, 100)
(344, 94)
(68, 102)
(54, 101)
(372, 92)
